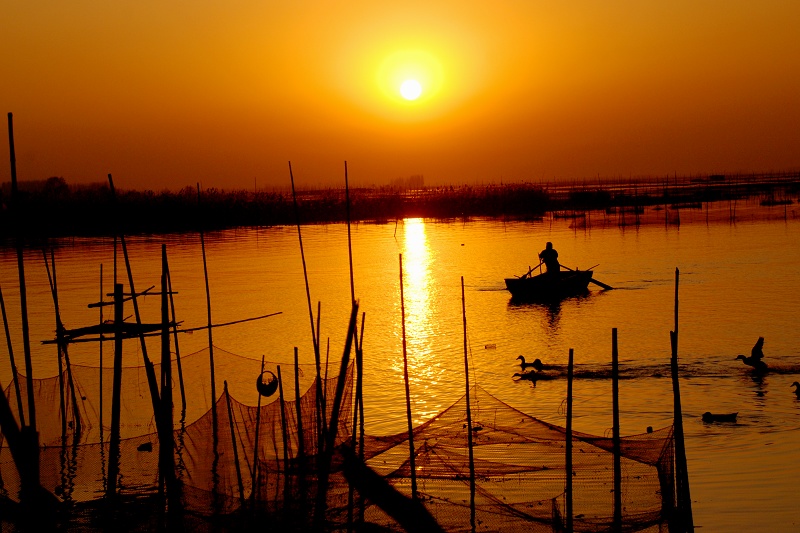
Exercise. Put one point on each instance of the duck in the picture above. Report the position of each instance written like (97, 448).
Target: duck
(536, 364)
(713, 417)
(796, 386)
(756, 356)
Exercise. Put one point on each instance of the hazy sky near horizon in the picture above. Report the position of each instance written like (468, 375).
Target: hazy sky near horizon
(167, 94)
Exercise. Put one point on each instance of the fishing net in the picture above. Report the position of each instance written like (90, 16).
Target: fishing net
(236, 461)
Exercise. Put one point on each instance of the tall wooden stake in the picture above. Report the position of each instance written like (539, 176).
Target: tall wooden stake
(239, 480)
(254, 481)
(285, 438)
(62, 352)
(358, 413)
(28, 435)
(685, 519)
(349, 240)
(320, 410)
(149, 371)
(177, 346)
(116, 395)
(616, 432)
(214, 416)
(469, 414)
(23, 295)
(102, 338)
(14, 375)
(411, 452)
(332, 431)
(301, 445)
(301, 449)
(210, 336)
(166, 437)
(568, 445)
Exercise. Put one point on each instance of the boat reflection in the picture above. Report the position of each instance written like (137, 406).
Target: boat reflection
(549, 310)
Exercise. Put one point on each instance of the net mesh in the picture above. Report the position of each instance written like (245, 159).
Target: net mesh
(262, 461)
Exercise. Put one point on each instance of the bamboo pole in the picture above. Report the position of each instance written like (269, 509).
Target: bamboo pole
(685, 519)
(210, 336)
(324, 389)
(360, 395)
(469, 413)
(62, 351)
(239, 481)
(349, 240)
(253, 483)
(166, 438)
(148, 365)
(616, 431)
(14, 375)
(568, 446)
(29, 432)
(319, 405)
(116, 394)
(284, 437)
(214, 417)
(101, 356)
(177, 346)
(356, 437)
(301, 449)
(331, 433)
(411, 451)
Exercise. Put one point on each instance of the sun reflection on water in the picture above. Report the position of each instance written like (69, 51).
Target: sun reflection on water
(423, 370)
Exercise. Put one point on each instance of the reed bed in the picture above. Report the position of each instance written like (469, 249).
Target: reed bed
(54, 208)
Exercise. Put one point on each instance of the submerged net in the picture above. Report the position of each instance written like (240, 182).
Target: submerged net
(229, 469)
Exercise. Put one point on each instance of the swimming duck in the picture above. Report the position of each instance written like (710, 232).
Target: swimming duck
(796, 386)
(536, 364)
(756, 356)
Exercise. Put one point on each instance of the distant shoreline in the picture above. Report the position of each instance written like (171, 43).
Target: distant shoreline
(56, 209)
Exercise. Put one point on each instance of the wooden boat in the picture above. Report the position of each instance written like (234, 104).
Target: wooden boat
(719, 417)
(549, 286)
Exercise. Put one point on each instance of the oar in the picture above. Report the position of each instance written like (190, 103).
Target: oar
(530, 269)
(600, 283)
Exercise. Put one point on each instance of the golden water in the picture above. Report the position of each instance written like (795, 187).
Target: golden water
(737, 282)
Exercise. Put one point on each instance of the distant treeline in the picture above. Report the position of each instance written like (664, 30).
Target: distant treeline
(54, 208)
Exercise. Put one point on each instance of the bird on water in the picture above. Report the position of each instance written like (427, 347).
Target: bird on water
(535, 364)
(796, 386)
(756, 356)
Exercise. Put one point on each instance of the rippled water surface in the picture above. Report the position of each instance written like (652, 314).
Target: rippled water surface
(737, 282)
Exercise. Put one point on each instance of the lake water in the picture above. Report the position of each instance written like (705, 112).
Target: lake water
(737, 282)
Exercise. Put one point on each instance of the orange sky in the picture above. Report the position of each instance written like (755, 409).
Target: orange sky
(167, 94)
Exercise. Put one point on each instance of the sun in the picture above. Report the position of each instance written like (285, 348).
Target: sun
(410, 89)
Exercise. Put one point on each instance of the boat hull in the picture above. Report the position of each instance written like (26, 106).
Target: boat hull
(548, 287)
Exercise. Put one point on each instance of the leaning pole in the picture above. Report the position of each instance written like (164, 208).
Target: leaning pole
(685, 522)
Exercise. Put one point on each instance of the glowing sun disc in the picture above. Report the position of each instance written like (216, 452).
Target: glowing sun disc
(410, 89)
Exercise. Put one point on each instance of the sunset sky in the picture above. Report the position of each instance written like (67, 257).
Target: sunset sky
(167, 94)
